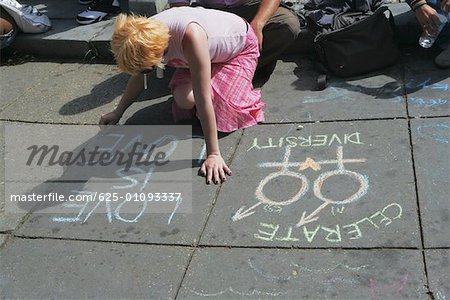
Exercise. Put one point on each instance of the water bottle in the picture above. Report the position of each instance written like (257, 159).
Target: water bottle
(427, 40)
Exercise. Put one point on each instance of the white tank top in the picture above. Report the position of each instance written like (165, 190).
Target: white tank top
(226, 33)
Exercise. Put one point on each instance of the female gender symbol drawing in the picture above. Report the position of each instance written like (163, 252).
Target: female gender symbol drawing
(285, 165)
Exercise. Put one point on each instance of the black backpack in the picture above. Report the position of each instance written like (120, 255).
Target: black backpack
(351, 43)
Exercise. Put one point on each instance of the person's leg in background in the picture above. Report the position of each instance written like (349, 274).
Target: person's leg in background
(97, 11)
(278, 34)
(443, 59)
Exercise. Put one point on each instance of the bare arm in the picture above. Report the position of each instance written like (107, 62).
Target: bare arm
(265, 11)
(195, 48)
(134, 87)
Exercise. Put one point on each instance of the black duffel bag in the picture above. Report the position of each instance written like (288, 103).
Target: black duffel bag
(357, 43)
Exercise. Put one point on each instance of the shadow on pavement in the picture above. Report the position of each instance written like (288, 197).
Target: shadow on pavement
(108, 90)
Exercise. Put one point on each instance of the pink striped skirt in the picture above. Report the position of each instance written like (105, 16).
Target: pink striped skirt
(236, 103)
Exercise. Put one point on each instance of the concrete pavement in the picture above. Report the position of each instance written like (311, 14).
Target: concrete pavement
(341, 194)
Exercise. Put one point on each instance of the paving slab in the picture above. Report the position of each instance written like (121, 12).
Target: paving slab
(94, 90)
(154, 105)
(80, 270)
(101, 42)
(291, 95)
(65, 153)
(431, 144)
(2, 239)
(57, 9)
(438, 267)
(147, 7)
(167, 228)
(64, 40)
(342, 184)
(427, 88)
(66, 93)
(299, 274)
(8, 221)
(16, 80)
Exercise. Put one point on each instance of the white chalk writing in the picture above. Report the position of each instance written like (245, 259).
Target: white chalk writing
(244, 212)
(319, 140)
(382, 218)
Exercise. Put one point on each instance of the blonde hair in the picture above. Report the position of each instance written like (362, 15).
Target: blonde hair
(138, 43)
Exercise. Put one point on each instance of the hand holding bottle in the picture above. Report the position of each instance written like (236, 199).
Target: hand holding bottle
(432, 23)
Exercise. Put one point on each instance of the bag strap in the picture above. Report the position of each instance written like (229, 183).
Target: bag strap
(390, 18)
(392, 23)
(322, 82)
(323, 76)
